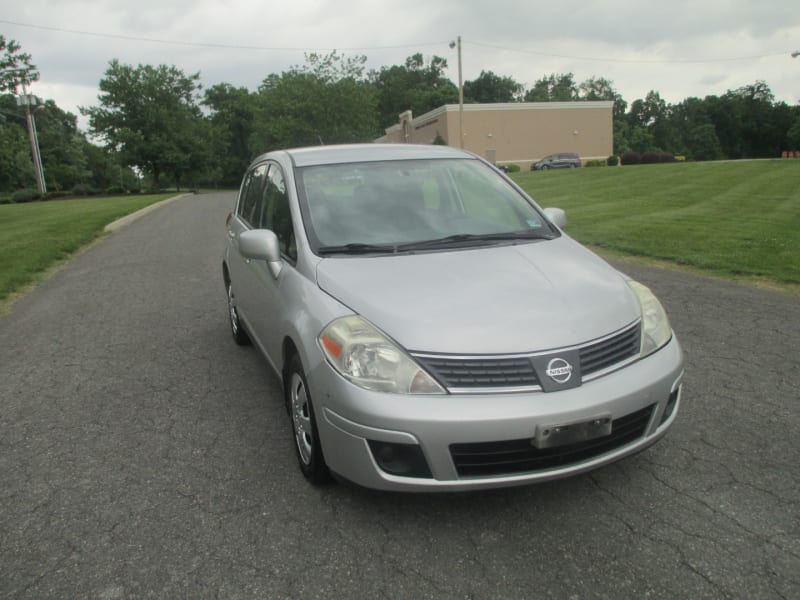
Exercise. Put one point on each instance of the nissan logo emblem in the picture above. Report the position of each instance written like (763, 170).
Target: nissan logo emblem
(559, 370)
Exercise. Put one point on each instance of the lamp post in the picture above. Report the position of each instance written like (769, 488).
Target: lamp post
(460, 94)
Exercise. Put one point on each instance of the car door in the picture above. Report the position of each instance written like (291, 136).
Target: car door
(264, 302)
(244, 218)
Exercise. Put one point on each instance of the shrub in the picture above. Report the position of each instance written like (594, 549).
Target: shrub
(649, 158)
(5, 199)
(25, 196)
(631, 158)
(84, 189)
(116, 189)
(613, 160)
(595, 163)
(56, 194)
(666, 157)
(512, 168)
(439, 140)
(680, 158)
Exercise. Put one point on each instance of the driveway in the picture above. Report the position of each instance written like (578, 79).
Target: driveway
(143, 454)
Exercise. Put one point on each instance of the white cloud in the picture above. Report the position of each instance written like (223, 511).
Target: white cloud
(527, 39)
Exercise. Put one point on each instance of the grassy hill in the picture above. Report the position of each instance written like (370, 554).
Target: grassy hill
(738, 219)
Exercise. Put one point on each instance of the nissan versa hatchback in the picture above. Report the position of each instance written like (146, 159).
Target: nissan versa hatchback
(434, 329)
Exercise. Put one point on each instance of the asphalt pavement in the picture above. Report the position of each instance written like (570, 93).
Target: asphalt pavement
(144, 455)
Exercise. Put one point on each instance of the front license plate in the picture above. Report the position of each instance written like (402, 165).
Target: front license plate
(550, 436)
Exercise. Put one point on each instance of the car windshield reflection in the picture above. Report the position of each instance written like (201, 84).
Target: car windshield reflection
(392, 206)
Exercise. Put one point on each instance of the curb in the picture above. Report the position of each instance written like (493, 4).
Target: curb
(128, 219)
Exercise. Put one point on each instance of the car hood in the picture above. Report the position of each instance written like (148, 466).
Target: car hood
(501, 299)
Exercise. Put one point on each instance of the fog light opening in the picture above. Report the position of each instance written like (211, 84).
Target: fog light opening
(405, 460)
(672, 402)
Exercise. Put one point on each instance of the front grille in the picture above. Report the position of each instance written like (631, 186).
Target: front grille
(481, 373)
(519, 456)
(608, 352)
(468, 373)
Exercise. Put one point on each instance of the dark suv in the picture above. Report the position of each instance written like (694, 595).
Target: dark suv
(561, 160)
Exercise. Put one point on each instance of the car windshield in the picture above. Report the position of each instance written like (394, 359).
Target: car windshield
(407, 205)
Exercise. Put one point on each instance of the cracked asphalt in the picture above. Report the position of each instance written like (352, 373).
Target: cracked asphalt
(144, 455)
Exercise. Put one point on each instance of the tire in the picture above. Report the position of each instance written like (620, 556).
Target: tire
(237, 329)
(304, 425)
(545, 167)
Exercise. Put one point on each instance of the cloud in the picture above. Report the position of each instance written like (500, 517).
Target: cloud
(680, 48)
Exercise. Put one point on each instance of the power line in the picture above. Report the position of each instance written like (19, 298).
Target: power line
(116, 36)
(174, 42)
(627, 60)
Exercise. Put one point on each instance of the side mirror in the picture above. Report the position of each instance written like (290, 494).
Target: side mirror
(262, 244)
(557, 216)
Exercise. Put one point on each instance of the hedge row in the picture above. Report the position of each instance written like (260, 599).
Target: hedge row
(647, 158)
(82, 189)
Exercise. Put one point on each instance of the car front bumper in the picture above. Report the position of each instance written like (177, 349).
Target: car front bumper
(352, 422)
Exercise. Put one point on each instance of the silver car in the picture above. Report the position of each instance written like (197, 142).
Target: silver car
(434, 329)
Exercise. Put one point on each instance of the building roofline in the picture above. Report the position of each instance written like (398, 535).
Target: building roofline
(574, 105)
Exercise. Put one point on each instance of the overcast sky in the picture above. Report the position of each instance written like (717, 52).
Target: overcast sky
(679, 48)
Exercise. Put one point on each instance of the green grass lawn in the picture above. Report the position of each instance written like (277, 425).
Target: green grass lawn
(735, 219)
(37, 235)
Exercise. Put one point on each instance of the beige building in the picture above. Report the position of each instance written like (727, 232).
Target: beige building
(514, 132)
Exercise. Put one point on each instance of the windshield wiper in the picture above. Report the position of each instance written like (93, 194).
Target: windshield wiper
(357, 248)
(459, 238)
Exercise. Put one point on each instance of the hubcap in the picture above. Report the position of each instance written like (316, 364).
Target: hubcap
(301, 418)
(232, 311)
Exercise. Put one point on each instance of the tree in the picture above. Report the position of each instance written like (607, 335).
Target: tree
(418, 86)
(328, 100)
(600, 88)
(16, 167)
(704, 144)
(15, 67)
(793, 135)
(149, 114)
(489, 87)
(763, 122)
(559, 87)
(231, 124)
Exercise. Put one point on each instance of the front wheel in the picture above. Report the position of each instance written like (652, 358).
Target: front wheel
(304, 425)
(239, 334)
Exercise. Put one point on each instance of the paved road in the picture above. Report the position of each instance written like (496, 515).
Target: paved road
(143, 454)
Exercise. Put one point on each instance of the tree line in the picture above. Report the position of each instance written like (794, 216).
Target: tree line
(159, 122)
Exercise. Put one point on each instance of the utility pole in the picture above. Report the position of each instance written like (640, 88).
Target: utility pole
(26, 100)
(460, 95)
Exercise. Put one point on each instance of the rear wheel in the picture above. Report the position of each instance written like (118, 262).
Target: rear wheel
(304, 425)
(239, 334)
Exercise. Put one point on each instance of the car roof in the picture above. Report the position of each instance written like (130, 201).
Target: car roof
(350, 153)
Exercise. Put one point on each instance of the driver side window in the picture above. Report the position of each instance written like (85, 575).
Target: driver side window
(276, 214)
(249, 208)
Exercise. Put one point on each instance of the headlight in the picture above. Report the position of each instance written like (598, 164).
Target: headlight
(366, 357)
(655, 326)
